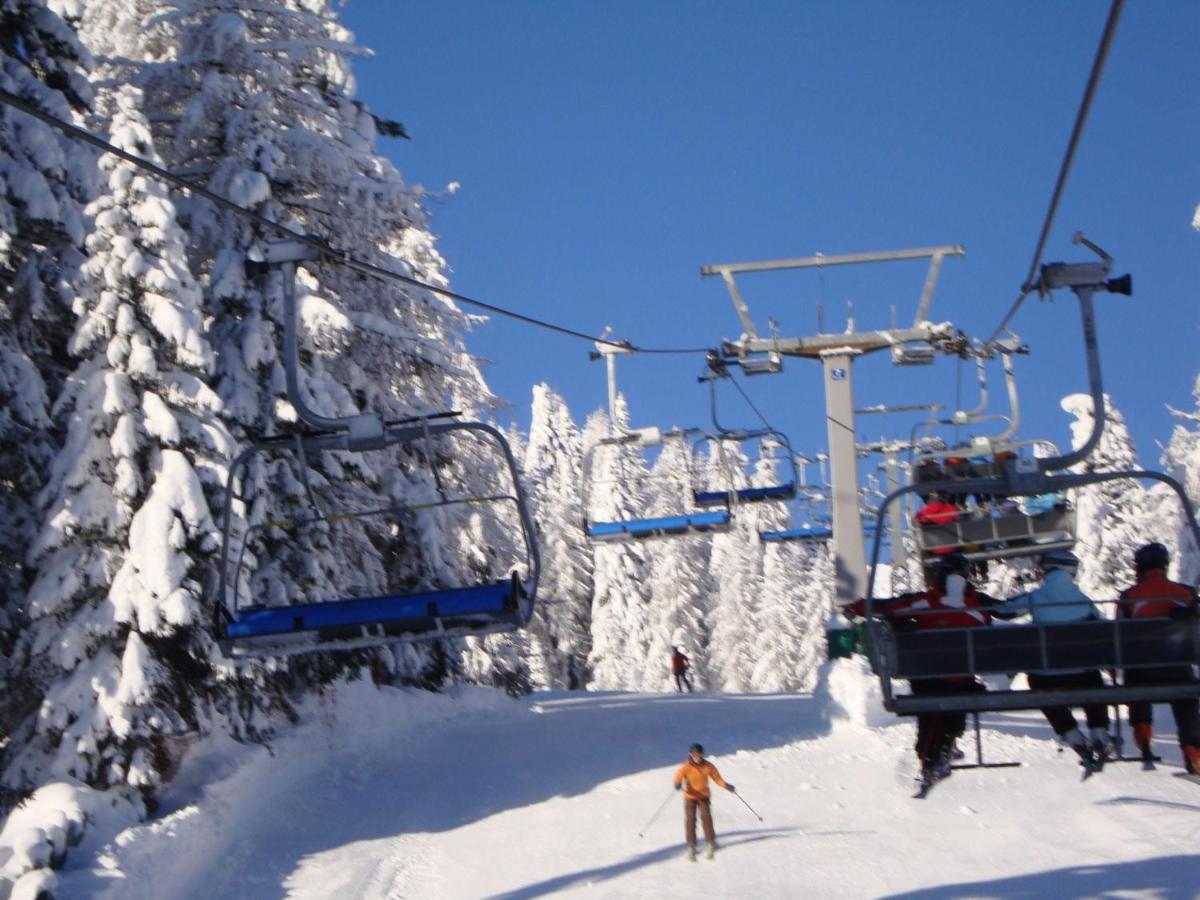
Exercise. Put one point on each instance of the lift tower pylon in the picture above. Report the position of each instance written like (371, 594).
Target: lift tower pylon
(837, 352)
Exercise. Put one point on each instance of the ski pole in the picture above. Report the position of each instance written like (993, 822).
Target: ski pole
(657, 813)
(748, 806)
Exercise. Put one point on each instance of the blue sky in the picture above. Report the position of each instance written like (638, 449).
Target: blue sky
(606, 151)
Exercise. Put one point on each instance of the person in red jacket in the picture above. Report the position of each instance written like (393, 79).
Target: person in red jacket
(950, 602)
(1155, 596)
(692, 777)
(679, 668)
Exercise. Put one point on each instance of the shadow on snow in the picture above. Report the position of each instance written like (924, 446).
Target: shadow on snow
(1164, 878)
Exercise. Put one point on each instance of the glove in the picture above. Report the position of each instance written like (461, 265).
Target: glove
(730, 788)
(679, 787)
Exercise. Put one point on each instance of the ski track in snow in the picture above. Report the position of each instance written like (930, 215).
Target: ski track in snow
(545, 796)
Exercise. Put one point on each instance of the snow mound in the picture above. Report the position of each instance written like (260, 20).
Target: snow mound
(848, 694)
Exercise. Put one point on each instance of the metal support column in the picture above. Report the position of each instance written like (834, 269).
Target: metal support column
(850, 565)
(896, 512)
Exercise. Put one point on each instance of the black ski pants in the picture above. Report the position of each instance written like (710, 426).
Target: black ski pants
(937, 731)
(682, 681)
(703, 805)
(1061, 719)
(1187, 710)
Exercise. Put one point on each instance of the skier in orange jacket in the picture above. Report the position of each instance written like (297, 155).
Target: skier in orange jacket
(695, 773)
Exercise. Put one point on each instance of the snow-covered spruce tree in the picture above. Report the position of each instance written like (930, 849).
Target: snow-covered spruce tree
(1181, 459)
(117, 600)
(615, 479)
(561, 629)
(45, 181)
(259, 106)
(679, 582)
(1114, 518)
(736, 565)
(785, 651)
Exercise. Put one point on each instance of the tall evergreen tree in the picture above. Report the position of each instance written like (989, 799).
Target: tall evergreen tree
(679, 581)
(561, 629)
(1181, 459)
(45, 182)
(615, 481)
(128, 526)
(737, 570)
(1113, 518)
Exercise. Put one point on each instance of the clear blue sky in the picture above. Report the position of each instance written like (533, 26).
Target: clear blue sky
(608, 150)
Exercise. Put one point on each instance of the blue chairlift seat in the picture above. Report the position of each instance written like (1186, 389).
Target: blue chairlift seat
(666, 525)
(807, 533)
(345, 624)
(784, 491)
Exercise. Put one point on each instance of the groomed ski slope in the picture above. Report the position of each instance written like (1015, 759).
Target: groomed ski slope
(390, 793)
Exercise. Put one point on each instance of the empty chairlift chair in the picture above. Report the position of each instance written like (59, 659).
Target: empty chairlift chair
(251, 620)
(643, 527)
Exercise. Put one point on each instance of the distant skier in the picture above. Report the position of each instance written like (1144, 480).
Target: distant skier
(1059, 599)
(1154, 595)
(679, 668)
(572, 675)
(695, 773)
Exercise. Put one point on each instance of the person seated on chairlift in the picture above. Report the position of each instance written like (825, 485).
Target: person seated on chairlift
(928, 470)
(938, 511)
(1156, 596)
(950, 601)
(1059, 599)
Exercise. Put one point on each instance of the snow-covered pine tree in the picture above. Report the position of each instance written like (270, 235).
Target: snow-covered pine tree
(280, 133)
(615, 484)
(554, 472)
(1114, 518)
(736, 565)
(783, 657)
(117, 599)
(45, 181)
(1181, 459)
(679, 581)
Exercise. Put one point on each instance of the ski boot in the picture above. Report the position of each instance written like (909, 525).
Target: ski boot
(711, 851)
(1104, 746)
(1142, 734)
(1191, 758)
(691, 852)
(1083, 749)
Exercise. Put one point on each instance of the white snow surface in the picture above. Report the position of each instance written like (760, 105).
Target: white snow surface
(397, 793)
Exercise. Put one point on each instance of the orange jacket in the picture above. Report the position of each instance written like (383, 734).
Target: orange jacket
(1155, 595)
(696, 776)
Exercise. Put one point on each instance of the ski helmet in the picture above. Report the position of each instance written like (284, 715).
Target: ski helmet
(1151, 556)
(696, 748)
(1060, 559)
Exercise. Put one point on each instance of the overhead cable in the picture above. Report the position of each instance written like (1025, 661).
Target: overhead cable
(1027, 287)
(750, 403)
(334, 255)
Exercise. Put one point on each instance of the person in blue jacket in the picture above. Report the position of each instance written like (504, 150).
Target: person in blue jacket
(1059, 599)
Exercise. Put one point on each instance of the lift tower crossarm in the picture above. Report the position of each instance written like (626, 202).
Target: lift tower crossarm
(854, 342)
(821, 260)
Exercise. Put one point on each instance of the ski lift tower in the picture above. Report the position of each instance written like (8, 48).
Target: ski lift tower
(914, 345)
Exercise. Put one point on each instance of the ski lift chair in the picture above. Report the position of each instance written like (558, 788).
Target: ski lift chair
(248, 627)
(1004, 530)
(1118, 644)
(642, 528)
(727, 493)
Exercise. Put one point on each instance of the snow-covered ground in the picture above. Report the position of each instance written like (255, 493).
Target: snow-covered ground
(389, 793)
